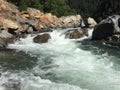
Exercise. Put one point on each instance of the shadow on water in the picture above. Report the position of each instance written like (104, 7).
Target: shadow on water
(100, 48)
(13, 60)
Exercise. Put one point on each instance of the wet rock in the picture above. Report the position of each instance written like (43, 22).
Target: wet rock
(42, 38)
(115, 38)
(119, 22)
(76, 34)
(103, 31)
(113, 43)
(5, 34)
(107, 28)
(7, 37)
(3, 44)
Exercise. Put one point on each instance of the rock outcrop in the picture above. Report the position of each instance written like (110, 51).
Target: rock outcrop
(42, 38)
(14, 23)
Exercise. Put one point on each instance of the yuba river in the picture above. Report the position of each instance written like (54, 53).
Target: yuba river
(60, 64)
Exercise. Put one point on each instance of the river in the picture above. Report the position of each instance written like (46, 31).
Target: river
(60, 64)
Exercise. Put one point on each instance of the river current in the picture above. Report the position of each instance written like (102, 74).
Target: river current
(60, 64)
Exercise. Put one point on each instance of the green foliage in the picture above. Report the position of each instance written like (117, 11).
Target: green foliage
(106, 8)
(83, 7)
(98, 9)
(57, 7)
(22, 8)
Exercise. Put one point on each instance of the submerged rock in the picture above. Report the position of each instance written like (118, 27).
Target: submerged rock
(75, 34)
(3, 44)
(41, 38)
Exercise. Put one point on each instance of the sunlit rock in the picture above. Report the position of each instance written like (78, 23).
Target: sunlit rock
(7, 23)
(34, 12)
(71, 21)
(92, 23)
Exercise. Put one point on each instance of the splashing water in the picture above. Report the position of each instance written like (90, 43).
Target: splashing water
(64, 64)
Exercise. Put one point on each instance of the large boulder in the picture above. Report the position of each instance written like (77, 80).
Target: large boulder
(41, 38)
(75, 34)
(3, 44)
(102, 31)
(106, 28)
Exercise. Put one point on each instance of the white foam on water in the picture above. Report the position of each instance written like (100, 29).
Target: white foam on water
(74, 68)
(2, 88)
(27, 81)
(36, 83)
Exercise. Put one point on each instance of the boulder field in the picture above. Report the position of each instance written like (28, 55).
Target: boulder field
(108, 30)
(14, 24)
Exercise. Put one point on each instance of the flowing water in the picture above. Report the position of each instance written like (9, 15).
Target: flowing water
(60, 64)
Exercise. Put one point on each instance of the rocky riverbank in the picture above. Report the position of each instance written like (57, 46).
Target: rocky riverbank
(15, 24)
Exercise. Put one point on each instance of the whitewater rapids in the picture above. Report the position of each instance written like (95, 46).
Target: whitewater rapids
(63, 64)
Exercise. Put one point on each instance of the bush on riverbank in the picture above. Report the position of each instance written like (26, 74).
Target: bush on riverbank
(56, 7)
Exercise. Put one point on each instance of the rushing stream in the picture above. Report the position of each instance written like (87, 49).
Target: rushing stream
(60, 64)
